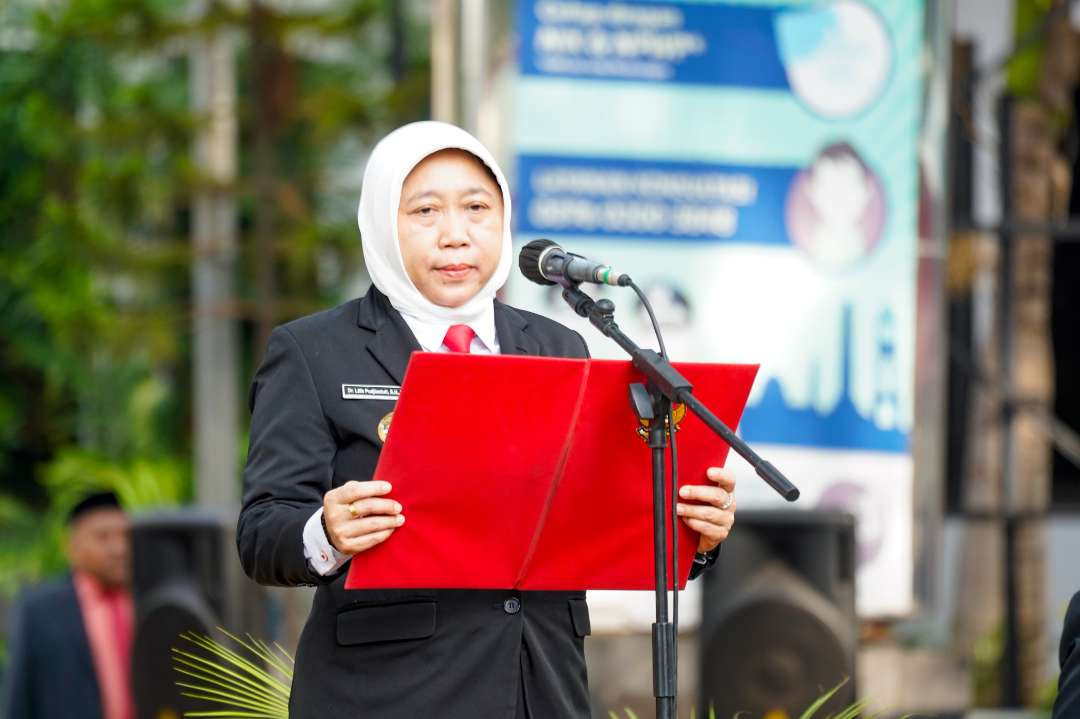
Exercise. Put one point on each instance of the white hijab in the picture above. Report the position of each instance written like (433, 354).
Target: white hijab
(390, 163)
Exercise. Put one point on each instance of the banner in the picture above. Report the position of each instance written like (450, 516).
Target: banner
(753, 167)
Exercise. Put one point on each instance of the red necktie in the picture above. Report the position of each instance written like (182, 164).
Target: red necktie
(122, 632)
(458, 338)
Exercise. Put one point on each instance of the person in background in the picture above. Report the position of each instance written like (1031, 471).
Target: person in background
(1067, 704)
(70, 644)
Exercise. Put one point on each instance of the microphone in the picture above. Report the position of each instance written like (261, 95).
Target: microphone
(545, 263)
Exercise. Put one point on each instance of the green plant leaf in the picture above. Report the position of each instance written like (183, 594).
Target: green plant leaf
(226, 677)
(821, 700)
(853, 711)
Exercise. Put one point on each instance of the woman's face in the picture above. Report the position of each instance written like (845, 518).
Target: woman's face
(450, 226)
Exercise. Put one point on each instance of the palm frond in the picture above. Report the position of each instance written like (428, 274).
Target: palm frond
(252, 681)
(821, 700)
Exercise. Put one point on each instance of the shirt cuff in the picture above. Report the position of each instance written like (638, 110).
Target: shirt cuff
(320, 554)
(703, 561)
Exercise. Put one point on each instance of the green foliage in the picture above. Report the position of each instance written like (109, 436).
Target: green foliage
(856, 710)
(21, 531)
(986, 667)
(96, 189)
(32, 546)
(630, 714)
(987, 670)
(140, 483)
(849, 712)
(92, 167)
(1022, 73)
(253, 680)
(1046, 694)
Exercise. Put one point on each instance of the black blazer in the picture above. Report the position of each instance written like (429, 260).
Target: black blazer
(390, 653)
(50, 674)
(1067, 704)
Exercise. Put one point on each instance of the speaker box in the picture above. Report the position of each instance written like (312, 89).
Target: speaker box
(778, 624)
(185, 578)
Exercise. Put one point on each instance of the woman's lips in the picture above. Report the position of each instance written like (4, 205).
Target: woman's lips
(454, 272)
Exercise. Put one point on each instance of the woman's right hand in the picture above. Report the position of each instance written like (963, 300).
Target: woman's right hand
(358, 515)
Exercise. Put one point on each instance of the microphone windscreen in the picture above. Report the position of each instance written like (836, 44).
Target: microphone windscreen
(529, 260)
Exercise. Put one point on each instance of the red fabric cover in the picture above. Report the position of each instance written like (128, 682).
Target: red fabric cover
(527, 473)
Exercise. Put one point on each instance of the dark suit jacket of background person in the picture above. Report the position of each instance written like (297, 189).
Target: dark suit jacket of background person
(50, 673)
(391, 653)
(1067, 704)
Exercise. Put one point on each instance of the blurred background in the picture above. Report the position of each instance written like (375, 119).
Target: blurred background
(873, 199)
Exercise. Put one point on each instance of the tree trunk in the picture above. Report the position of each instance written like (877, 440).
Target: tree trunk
(1040, 192)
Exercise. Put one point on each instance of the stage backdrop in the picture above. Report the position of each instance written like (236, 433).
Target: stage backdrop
(753, 165)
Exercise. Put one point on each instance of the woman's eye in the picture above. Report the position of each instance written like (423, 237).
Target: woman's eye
(477, 207)
(425, 211)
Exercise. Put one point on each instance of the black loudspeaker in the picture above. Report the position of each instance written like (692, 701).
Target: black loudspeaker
(185, 578)
(778, 624)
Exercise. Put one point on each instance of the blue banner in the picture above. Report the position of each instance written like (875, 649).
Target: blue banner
(753, 164)
(621, 198)
(662, 42)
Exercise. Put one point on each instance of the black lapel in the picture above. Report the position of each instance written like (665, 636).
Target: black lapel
(394, 341)
(70, 616)
(510, 329)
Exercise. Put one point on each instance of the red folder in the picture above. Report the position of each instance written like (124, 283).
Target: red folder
(528, 473)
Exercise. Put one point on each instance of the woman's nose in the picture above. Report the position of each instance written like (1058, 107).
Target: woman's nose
(455, 230)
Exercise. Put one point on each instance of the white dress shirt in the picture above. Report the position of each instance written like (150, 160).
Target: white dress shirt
(320, 554)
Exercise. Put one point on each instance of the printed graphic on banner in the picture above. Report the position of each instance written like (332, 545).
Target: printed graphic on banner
(605, 197)
(753, 166)
(836, 56)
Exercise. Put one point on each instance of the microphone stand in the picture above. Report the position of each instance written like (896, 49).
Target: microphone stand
(665, 386)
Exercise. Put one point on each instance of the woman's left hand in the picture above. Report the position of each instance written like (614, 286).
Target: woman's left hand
(714, 516)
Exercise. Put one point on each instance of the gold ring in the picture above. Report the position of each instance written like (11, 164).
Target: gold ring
(727, 505)
(353, 511)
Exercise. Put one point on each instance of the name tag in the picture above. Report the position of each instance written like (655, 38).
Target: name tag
(370, 391)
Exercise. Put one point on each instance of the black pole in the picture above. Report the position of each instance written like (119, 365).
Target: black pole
(653, 407)
(772, 476)
(669, 381)
(666, 385)
(663, 631)
(1010, 669)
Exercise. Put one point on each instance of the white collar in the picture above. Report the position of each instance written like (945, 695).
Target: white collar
(430, 332)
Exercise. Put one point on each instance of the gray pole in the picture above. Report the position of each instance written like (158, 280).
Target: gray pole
(444, 60)
(928, 434)
(216, 395)
(459, 60)
(474, 45)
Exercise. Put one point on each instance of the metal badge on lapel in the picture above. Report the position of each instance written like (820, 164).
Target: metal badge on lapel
(384, 425)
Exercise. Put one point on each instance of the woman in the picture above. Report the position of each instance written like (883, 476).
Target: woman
(434, 220)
